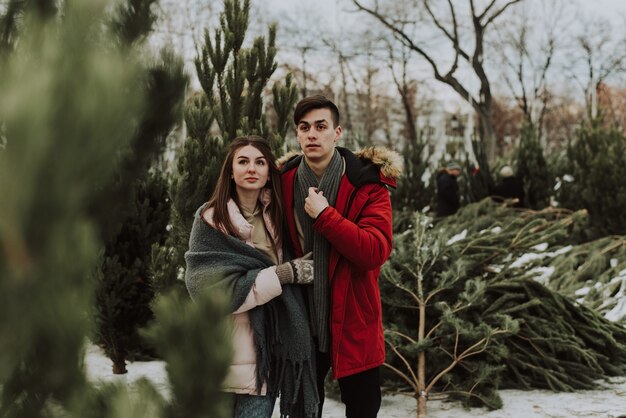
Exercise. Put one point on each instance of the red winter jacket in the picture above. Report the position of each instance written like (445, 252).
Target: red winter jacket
(359, 231)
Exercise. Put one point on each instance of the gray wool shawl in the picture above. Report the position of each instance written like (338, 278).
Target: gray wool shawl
(285, 353)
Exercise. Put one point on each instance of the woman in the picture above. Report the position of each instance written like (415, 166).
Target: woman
(236, 245)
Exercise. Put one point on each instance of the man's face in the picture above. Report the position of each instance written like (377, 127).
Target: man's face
(317, 136)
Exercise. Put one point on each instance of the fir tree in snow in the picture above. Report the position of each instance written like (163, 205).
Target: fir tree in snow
(414, 285)
(593, 273)
(474, 282)
(141, 210)
(124, 290)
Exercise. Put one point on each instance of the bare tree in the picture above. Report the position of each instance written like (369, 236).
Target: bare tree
(406, 89)
(599, 57)
(528, 44)
(181, 24)
(451, 28)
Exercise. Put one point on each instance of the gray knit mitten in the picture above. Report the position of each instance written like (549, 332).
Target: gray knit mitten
(298, 270)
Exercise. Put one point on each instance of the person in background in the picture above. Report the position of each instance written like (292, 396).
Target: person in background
(448, 199)
(337, 205)
(236, 245)
(509, 187)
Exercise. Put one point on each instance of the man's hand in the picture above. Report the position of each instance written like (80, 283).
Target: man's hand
(315, 203)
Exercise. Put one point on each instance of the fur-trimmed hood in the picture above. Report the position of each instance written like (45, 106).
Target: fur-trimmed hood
(387, 161)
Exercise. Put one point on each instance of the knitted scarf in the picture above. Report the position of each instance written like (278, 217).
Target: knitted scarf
(314, 241)
(285, 353)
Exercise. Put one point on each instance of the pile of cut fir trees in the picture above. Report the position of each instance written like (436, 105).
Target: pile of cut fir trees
(495, 297)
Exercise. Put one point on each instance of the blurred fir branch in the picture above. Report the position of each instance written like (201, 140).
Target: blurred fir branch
(83, 117)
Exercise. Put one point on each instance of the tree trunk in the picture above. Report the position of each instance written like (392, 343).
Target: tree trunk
(421, 365)
(119, 365)
(487, 132)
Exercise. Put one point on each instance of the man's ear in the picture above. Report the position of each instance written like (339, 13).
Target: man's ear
(338, 132)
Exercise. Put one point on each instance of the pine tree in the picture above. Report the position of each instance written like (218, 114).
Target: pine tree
(532, 169)
(474, 281)
(413, 193)
(412, 283)
(232, 78)
(596, 160)
(67, 104)
(124, 288)
(124, 291)
(72, 99)
(184, 333)
(592, 273)
(284, 99)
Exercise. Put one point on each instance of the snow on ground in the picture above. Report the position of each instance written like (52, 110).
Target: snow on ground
(609, 402)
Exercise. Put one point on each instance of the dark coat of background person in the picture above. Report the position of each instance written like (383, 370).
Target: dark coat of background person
(448, 200)
(509, 187)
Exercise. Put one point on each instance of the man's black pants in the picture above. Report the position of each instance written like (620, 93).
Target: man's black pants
(359, 392)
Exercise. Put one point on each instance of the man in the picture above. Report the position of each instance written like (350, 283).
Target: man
(448, 199)
(510, 187)
(337, 205)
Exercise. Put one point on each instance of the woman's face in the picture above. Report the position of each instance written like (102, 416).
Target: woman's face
(250, 169)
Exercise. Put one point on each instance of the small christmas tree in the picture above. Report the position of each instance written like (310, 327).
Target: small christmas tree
(474, 283)
(412, 283)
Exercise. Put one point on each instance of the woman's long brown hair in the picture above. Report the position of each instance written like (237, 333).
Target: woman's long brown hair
(225, 189)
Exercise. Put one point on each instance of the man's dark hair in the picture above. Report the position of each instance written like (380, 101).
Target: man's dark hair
(318, 101)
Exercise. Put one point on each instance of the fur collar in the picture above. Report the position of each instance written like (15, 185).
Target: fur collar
(388, 162)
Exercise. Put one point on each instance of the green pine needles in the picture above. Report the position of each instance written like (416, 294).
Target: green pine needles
(466, 305)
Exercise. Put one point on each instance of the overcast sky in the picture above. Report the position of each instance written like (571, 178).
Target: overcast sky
(313, 18)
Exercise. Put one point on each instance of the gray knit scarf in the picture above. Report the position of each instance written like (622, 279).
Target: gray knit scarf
(285, 352)
(314, 241)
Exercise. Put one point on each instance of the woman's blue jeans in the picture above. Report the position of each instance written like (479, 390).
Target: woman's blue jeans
(250, 406)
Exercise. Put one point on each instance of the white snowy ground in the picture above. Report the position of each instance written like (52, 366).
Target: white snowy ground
(609, 402)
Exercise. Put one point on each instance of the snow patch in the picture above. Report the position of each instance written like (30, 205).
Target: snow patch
(618, 312)
(458, 237)
(542, 274)
(607, 401)
(528, 257)
(582, 291)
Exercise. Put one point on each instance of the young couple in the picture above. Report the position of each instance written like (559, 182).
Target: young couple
(300, 252)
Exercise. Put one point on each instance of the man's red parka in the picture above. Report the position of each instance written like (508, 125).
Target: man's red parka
(359, 230)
